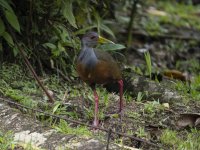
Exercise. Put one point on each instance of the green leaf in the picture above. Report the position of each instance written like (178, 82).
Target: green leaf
(8, 38)
(12, 19)
(68, 13)
(111, 47)
(107, 29)
(6, 5)
(56, 107)
(148, 62)
(2, 27)
(60, 47)
(98, 20)
(15, 51)
(50, 45)
(1, 47)
(83, 30)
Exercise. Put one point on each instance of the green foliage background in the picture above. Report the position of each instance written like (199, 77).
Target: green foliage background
(49, 30)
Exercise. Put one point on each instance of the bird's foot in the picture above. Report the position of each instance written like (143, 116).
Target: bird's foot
(96, 123)
(95, 126)
(121, 114)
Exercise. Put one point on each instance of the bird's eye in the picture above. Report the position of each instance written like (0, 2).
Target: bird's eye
(93, 37)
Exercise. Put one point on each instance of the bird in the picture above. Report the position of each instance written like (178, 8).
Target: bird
(96, 66)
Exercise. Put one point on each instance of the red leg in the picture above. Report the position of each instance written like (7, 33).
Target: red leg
(96, 120)
(121, 95)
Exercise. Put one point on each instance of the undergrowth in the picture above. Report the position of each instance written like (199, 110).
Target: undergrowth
(6, 141)
(189, 142)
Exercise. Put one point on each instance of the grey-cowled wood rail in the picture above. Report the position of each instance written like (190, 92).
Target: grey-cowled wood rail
(98, 67)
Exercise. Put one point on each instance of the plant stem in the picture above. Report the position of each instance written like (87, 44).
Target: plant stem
(130, 25)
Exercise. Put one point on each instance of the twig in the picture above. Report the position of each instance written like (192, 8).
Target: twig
(66, 92)
(63, 75)
(108, 139)
(81, 123)
(30, 67)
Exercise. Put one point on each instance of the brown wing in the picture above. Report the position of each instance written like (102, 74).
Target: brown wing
(104, 56)
(105, 71)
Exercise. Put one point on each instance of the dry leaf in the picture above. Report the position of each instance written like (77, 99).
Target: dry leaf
(156, 12)
(188, 119)
(197, 122)
(175, 74)
(166, 105)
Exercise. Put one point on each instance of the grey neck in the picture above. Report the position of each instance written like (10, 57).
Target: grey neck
(87, 56)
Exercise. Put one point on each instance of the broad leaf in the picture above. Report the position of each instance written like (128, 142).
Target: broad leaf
(60, 47)
(12, 19)
(50, 45)
(15, 51)
(8, 38)
(2, 27)
(111, 47)
(6, 5)
(68, 13)
(56, 107)
(98, 20)
(107, 29)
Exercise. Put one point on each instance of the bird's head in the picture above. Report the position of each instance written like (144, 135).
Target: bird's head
(91, 39)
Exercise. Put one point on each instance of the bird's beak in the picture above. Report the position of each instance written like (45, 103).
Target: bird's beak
(102, 40)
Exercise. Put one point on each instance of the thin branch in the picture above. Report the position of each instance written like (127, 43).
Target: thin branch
(22, 52)
(108, 139)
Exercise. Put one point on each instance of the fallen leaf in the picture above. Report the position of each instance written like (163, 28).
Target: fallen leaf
(175, 74)
(156, 12)
(188, 119)
(166, 105)
(197, 122)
